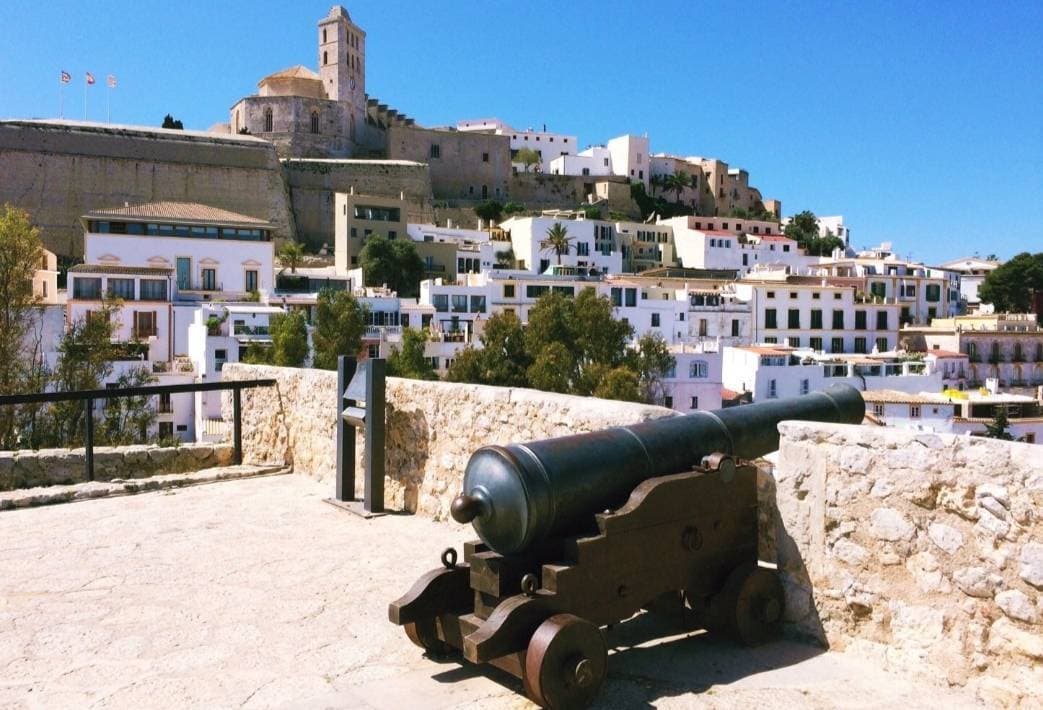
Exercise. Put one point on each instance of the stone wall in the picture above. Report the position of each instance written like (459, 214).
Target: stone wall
(59, 171)
(313, 184)
(923, 549)
(432, 427)
(465, 161)
(48, 467)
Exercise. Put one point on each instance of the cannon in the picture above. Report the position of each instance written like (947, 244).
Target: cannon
(584, 531)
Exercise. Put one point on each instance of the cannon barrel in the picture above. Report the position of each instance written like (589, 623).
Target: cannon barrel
(520, 494)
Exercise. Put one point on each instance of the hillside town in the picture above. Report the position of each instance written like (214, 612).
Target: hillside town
(742, 302)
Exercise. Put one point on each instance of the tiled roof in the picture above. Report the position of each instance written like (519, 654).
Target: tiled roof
(295, 72)
(945, 353)
(729, 394)
(119, 269)
(765, 349)
(185, 212)
(896, 397)
(773, 238)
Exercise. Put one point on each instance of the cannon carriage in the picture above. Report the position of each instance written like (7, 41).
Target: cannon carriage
(584, 531)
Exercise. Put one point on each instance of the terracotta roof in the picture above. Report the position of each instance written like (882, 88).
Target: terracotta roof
(896, 397)
(774, 238)
(295, 72)
(729, 394)
(945, 353)
(119, 269)
(717, 232)
(184, 212)
(765, 349)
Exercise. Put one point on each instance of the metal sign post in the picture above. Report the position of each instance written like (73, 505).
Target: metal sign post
(360, 404)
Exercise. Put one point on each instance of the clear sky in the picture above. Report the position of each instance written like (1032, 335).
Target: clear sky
(920, 122)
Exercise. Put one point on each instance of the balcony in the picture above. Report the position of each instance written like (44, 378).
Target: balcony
(251, 332)
(382, 332)
(179, 366)
(201, 287)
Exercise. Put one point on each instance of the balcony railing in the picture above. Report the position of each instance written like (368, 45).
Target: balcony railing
(379, 332)
(247, 330)
(206, 286)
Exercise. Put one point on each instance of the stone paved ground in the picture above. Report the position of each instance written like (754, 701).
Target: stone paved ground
(254, 593)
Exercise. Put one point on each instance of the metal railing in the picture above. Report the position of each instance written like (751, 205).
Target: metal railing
(88, 397)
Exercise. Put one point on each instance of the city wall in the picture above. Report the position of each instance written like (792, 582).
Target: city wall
(60, 171)
(432, 427)
(924, 550)
(49, 467)
(313, 183)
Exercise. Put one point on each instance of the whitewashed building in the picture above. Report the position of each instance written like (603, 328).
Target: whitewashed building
(593, 247)
(547, 144)
(973, 272)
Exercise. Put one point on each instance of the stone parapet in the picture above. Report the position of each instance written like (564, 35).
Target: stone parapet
(923, 549)
(49, 467)
(432, 427)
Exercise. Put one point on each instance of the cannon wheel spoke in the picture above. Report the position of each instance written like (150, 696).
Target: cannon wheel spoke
(749, 607)
(424, 633)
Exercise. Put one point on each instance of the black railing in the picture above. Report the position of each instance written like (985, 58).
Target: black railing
(89, 396)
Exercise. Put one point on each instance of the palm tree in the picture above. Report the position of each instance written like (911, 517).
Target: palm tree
(558, 240)
(291, 254)
(678, 182)
(657, 182)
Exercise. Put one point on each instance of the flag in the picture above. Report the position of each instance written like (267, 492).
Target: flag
(90, 78)
(111, 81)
(66, 77)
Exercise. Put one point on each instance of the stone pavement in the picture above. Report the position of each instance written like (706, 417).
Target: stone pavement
(254, 593)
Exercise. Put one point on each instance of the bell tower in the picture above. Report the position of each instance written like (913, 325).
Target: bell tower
(342, 59)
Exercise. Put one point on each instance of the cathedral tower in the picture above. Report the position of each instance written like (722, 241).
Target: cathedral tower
(342, 58)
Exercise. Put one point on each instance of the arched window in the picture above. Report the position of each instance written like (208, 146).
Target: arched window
(323, 35)
(268, 120)
(351, 128)
(698, 368)
(314, 121)
(325, 58)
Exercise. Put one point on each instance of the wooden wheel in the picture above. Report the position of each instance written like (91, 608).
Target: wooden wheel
(565, 662)
(424, 634)
(749, 606)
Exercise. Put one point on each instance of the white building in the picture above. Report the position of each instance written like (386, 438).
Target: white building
(972, 271)
(626, 156)
(723, 243)
(770, 372)
(696, 381)
(45, 280)
(593, 247)
(833, 224)
(548, 145)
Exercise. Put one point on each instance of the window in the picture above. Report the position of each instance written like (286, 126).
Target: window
(251, 280)
(860, 320)
(837, 345)
(477, 304)
(794, 318)
(770, 320)
(914, 411)
(86, 288)
(933, 293)
(816, 319)
(655, 320)
(837, 296)
(793, 341)
(735, 327)
(267, 120)
(440, 302)
(631, 297)
(436, 151)
(815, 344)
(121, 288)
(878, 289)
(881, 345)
(702, 327)
(144, 324)
(220, 357)
(695, 403)
(616, 294)
(881, 320)
(166, 430)
(325, 58)
(838, 320)
(773, 391)
(485, 157)
(373, 351)
(314, 121)
(771, 294)
(909, 291)
(668, 402)
(805, 386)
(459, 303)
(698, 369)
(209, 279)
(792, 294)
(878, 410)
(816, 295)
(153, 289)
(771, 340)
(508, 290)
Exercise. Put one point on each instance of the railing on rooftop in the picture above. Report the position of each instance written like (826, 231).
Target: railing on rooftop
(88, 397)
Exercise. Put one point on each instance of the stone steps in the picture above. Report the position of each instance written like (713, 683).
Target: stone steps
(48, 495)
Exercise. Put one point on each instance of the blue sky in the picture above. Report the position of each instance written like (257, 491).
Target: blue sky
(921, 122)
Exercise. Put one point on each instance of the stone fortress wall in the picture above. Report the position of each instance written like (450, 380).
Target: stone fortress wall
(925, 550)
(60, 171)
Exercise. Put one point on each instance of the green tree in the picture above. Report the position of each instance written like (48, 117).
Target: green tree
(291, 254)
(289, 333)
(393, 262)
(678, 182)
(619, 383)
(340, 321)
(652, 361)
(552, 369)
(803, 228)
(409, 359)
(171, 122)
(513, 208)
(558, 240)
(998, 427)
(502, 360)
(657, 182)
(527, 157)
(20, 255)
(85, 356)
(1009, 288)
(489, 211)
(127, 420)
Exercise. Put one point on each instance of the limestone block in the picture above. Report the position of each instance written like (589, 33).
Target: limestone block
(927, 572)
(991, 524)
(948, 538)
(1031, 564)
(976, 581)
(849, 552)
(1018, 606)
(889, 524)
(915, 625)
(1005, 638)
(161, 457)
(136, 456)
(994, 491)
(201, 452)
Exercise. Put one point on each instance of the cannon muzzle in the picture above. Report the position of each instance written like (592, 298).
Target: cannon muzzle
(520, 494)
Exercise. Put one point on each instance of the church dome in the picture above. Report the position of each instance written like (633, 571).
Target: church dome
(294, 81)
